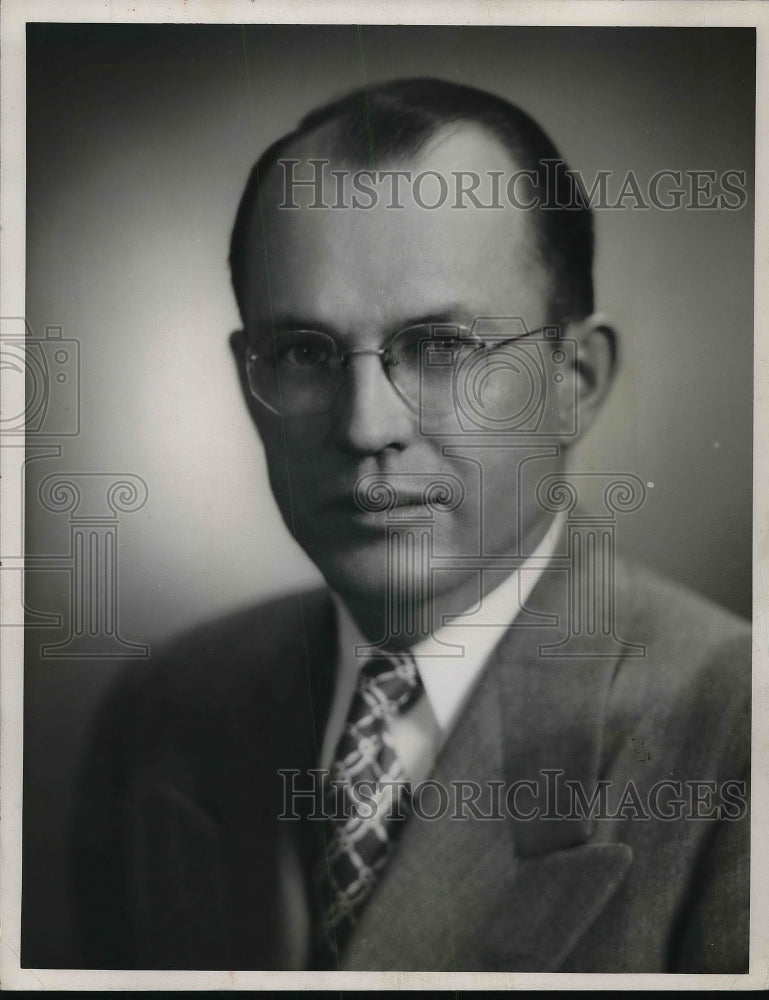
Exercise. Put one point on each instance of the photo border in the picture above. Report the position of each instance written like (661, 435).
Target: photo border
(13, 18)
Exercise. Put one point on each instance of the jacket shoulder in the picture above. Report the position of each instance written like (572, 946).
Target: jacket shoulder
(678, 626)
(218, 662)
(689, 679)
(663, 604)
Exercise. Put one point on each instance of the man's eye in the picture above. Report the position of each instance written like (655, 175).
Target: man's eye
(303, 354)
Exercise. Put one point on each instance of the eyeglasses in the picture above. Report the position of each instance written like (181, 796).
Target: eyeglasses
(298, 373)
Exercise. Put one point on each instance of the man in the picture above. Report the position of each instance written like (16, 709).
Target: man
(489, 744)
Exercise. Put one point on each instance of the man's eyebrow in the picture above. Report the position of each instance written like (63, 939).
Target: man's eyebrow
(454, 315)
(451, 315)
(290, 321)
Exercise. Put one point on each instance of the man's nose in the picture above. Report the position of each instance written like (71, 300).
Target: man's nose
(370, 415)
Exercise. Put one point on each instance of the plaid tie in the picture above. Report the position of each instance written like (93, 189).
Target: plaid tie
(365, 798)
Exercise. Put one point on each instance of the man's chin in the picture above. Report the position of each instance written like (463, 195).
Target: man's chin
(355, 570)
(371, 570)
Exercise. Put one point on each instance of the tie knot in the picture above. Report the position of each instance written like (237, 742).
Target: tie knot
(391, 682)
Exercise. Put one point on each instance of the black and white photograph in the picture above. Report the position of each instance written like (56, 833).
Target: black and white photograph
(381, 589)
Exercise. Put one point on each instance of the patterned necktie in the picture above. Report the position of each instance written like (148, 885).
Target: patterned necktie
(365, 798)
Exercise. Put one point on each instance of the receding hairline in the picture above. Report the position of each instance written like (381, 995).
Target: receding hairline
(326, 142)
(393, 120)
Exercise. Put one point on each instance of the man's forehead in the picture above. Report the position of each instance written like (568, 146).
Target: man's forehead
(459, 147)
(324, 262)
(315, 193)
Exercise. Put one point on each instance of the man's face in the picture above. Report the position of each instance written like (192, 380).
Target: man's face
(361, 275)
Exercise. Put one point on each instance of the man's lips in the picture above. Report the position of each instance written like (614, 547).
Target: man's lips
(348, 503)
(401, 493)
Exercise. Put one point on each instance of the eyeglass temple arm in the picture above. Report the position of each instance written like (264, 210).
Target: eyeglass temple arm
(529, 333)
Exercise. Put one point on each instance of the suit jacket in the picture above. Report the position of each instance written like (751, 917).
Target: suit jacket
(179, 842)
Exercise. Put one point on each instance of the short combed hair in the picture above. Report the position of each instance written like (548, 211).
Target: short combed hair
(395, 119)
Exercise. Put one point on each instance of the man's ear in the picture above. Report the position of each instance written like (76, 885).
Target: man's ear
(239, 347)
(595, 346)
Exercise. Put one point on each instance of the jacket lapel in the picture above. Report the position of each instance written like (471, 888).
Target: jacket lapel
(179, 892)
(550, 904)
(554, 713)
(446, 871)
(510, 893)
(204, 838)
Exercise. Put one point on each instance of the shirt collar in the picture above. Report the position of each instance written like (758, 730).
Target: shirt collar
(451, 660)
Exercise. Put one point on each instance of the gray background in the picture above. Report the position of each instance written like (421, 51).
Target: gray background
(139, 143)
